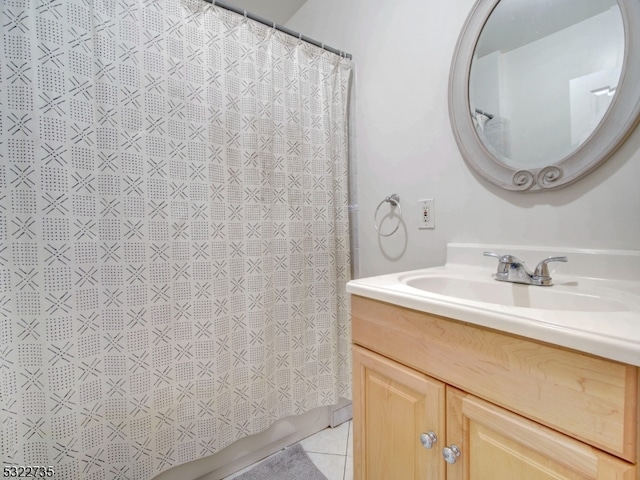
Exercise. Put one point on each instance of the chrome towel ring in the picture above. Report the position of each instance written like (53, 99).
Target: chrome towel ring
(394, 200)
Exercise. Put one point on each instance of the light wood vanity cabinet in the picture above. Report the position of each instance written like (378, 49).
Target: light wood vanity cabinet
(515, 408)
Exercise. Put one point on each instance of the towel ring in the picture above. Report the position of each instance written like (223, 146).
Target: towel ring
(394, 200)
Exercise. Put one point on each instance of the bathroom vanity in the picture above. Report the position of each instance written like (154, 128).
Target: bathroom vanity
(452, 381)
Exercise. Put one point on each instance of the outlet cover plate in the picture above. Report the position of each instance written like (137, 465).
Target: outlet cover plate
(426, 213)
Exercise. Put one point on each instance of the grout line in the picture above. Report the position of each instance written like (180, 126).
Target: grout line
(346, 451)
(344, 459)
(344, 468)
(346, 448)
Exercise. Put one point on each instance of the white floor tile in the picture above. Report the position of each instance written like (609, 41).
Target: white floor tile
(350, 440)
(348, 469)
(329, 440)
(332, 466)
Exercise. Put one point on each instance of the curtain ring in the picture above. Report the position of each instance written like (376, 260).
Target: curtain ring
(394, 200)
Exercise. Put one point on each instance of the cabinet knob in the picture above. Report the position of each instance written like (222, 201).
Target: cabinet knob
(451, 453)
(428, 439)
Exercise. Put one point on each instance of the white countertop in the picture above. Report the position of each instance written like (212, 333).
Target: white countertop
(597, 314)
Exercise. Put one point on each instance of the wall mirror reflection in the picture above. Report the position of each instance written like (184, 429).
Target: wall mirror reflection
(542, 78)
(541, 92)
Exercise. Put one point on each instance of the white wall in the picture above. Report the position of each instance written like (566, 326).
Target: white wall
(586, 47)
(404, 144)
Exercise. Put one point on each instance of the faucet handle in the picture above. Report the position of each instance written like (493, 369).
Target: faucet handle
(542, 270)
(503, 258)
(504, 263)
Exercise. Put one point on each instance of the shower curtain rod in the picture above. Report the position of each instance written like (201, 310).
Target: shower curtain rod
(281, 28)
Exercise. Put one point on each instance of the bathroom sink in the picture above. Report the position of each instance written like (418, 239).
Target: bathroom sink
(568, 297)
(593, 305)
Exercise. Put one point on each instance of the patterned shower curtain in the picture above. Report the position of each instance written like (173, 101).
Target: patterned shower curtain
(174, 240)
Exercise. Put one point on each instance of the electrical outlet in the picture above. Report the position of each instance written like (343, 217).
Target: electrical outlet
(426, 213)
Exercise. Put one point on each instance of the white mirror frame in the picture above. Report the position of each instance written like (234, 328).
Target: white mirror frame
(618, 122)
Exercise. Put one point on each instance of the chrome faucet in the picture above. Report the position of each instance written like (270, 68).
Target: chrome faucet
(512, 269)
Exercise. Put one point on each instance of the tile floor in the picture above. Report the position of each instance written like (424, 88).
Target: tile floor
(331, 450)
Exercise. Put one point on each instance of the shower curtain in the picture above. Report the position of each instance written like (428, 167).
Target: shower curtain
(174, 240)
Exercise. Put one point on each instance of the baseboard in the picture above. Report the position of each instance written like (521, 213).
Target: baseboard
(342, 412)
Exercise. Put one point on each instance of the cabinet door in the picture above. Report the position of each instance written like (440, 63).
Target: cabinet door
(496, 444)
(392, 406)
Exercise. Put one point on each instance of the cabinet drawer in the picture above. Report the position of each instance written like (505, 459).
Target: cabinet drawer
(587, 397)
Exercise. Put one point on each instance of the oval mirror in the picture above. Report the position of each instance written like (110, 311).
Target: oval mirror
(542, 92)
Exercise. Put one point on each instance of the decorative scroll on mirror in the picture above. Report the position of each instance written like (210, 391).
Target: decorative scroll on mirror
(541, 92)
